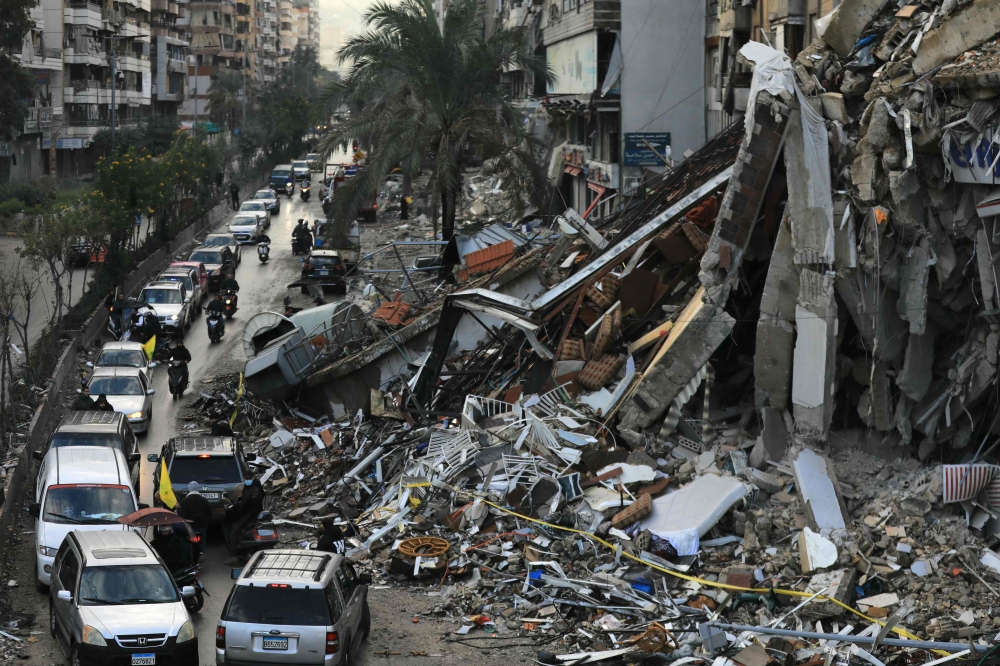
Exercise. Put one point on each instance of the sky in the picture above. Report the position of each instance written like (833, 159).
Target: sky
(339, 19)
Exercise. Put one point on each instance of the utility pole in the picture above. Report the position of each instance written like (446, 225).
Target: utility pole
(195, 132)
(114, 85)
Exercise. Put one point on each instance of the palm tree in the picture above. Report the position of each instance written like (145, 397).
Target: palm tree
(429, 91)
(224, 103)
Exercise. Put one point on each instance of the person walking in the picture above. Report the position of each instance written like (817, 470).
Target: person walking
(84, 402)
(234, 195)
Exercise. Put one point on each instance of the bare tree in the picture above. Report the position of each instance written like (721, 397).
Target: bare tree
(24, 284)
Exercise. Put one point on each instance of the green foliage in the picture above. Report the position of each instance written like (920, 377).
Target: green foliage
(16, 82)
(24, 195)
(420, 91)
(224, 103)
(154, 136)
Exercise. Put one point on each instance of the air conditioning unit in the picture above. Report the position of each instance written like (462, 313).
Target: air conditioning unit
(630, 184)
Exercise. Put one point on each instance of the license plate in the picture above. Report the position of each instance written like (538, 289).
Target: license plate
(275, 643)
(144, 659)
(322, 272)
(212, 496)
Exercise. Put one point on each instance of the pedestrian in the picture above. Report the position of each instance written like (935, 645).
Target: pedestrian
(234, 194)
(404, 207)
(83, 402)
(102, 404)
(196, 508)
(331, 538)
(242, 514)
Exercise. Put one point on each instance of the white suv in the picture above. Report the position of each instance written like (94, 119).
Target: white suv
(113, 601)
(294, 607)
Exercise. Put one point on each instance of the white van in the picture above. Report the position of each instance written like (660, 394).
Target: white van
(83, 488)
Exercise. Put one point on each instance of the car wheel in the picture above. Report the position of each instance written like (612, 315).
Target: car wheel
(74, 655)
(40, 587)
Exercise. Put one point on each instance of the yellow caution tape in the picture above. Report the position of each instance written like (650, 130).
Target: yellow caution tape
(725, 586)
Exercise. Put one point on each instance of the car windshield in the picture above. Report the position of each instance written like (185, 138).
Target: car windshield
(108, 439)
(300, 165)
(210, 469)
(183, 279)
(279, 173)
(115, 386)
(263, 195)
(246, 221)
(156, 296)
(128, 358)
(311, 156)
(87, 505)
(253, 205)
(219, 241)
(136, 584)
(207, 257)
(278, 605)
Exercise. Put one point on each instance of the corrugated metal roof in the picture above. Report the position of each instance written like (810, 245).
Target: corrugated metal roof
(489, 258)
(491, 235)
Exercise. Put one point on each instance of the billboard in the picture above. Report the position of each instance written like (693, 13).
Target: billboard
(641, 148)
(574, 63)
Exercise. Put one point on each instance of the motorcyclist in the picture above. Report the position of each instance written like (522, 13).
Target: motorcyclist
(263, 238)
(146, 324)
(181, 353)
(195, 507)
(243, 513)
(217, 309)
(83, 402)
(176, 552)
(302, 234)
(229, 284)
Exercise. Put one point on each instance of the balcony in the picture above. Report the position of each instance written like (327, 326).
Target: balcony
(594, 15)
(733, 16)
(84, 13)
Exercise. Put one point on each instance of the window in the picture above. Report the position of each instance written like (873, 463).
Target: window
(87, 505)
(213, 469)
(352, 577)
(127, 358)
(274, 604)
(569, 5)
(137, 584)
(68, 571)
(334, 602)
(116, 386)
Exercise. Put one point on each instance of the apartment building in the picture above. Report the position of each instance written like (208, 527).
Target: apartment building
(169, 44)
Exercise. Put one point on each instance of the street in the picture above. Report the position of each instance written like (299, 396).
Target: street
(262, 287)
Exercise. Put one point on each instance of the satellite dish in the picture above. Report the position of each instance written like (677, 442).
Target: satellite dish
(258, 323)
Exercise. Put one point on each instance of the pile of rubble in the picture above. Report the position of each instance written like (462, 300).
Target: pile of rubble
(702, 425)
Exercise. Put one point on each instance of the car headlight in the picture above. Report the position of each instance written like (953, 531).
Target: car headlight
(135, 415)
(172, 318)
(48, 552)
(186, 632)
(92, 636)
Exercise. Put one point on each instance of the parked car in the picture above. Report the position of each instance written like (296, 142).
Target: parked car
(226, 240)
(218, 464)
(113, 602)
(314, 161)
(128, 392)
(78, 488)
(125, 354)
(292, 607)
(108, 429)
(258, 208)
(246, 227)
(201, 273)
(188, 278)
(301, 169)
(172, 305)
(270, 197)
(217, 260)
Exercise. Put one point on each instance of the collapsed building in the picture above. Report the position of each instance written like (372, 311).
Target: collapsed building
(610, 432)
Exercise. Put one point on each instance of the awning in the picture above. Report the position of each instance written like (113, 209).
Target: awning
(573, 171)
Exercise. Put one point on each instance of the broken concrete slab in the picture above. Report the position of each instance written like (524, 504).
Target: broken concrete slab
(848, 22)
(696, 507)
(963, 31)
(775, 327)
(822, 502)
(815, 354)
(915, 377)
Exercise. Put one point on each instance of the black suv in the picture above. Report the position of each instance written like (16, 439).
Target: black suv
(109, 429)
(218, 464)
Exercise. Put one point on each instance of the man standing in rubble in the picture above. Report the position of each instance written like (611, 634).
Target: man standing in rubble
(243, 514)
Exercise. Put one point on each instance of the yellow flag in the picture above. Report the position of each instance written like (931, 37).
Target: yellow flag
(166, 488)
(150, 347)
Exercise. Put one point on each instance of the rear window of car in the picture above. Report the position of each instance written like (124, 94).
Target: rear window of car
(207, 469)
(207, 257)
(272, 604)
(183, 279)
(279, 173)
(109, 439)
(219, 241)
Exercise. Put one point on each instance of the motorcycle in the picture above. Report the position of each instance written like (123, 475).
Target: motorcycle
(259, 534)
(300, 244)
(177, 378)
(289, 189)
(304, 190)
(230, 299)
(191, 576)
(263, 252)
(216, 326)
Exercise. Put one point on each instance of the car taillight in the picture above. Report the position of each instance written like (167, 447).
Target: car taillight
(263, 534)
(220, 637)
(332, 642)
